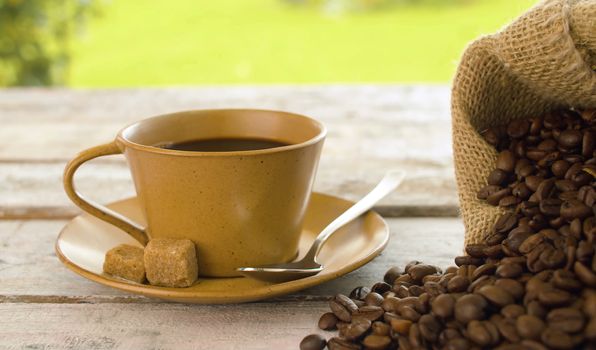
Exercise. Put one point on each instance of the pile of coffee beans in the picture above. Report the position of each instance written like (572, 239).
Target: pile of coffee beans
(530, 284)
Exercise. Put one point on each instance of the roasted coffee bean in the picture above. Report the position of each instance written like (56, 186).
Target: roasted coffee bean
(443, 305)
(505, 223)
(458, 284)
(567, 319)
(570, 138)
(470, 307)
(483, 333)
(556, 339)
(487, 191)
(313, 342)
(373, 299)
(494, 198)
(554, 297)
(509, 270)
(484, 269)
(371, 313)
(401, 326)
(392, 274)
(496, 295)
(513, 311)
(513, 287)
(337, 343)
(328, 321)
(467, 260)
(518, 128)
(529, 327)
(343, 307)
(573, 208)
(506, 161)
(376, 342)
(380, 288)
(497, 177)
(559, 168)
(380, 328)
(476, 250)
(359, 293)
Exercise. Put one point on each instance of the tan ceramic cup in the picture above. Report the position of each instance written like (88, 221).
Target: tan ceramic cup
(241, 208)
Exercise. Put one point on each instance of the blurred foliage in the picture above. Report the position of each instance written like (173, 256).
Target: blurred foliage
(341, 6)
(35, 37)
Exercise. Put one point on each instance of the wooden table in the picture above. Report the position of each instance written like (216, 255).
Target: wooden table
(371, 128)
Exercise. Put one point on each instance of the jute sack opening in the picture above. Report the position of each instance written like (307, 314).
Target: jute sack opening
(543, 60)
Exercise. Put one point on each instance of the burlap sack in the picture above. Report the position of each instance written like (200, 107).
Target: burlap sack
(545, 59)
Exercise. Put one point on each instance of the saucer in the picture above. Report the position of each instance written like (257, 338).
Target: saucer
(83, 242)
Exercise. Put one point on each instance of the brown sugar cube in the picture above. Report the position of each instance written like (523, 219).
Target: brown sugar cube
(171, 262)
(125, 261)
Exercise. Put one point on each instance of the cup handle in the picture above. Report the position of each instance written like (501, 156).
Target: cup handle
(97, 210)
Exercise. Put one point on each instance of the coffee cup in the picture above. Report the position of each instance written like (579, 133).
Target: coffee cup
(236, 182)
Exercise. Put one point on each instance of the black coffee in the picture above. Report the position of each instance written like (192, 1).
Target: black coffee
(224, 145)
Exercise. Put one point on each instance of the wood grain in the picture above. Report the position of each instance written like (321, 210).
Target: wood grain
(34, 190)
(158, 326)
(30, 271)
(371, 129)
(55, 123)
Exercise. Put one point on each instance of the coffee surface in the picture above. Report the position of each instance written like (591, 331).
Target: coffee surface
(224, 145)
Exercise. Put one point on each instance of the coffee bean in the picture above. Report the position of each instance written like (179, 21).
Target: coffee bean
(507, 328)
(373, 299)
(497, 177)
(556, 339)
(401, 326)
(443, 305)
(376, 342)
(518, 128)
(567, 319)
(506, 161)
(560, 167)
(380, 288)
(570, 138)
(487, 191)
(380, 328)
(417, 272)
(554, 297)
(494, 198)
(371, 313)
(470, 307)
(513, 287)
(483, 333)
(328, 321)
(313, 342)
(337, 343)
(359, 293)
(509, 270)
(588, 143)
(529, 327)
(496, 295)
(343, 307)
(458, 284)
(574, 208)
(513, 311)
(467, 260)
(392, 274)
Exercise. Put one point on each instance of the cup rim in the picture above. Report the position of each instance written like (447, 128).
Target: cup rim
(120, 138)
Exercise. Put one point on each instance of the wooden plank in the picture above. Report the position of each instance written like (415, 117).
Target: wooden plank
(363, 120)
(158, 326)
(31, 273)
(34, 190)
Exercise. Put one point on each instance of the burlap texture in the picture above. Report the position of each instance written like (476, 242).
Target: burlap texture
(543, 60)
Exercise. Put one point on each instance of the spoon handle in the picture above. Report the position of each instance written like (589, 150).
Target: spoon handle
(390, 182)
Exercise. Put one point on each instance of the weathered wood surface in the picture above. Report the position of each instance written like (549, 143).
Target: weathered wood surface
(371, 129)
(158, 326)
(34, 190)
(44, 305)
(29, 268)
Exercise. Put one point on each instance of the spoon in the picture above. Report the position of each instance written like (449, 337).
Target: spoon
(309, 266)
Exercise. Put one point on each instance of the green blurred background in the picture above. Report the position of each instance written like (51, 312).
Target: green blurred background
(129, 43)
